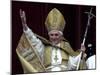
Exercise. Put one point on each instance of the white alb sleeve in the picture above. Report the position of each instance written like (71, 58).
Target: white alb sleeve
(36, 42)
(73, 62)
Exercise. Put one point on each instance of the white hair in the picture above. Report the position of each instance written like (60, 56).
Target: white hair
(60, 32)
(56, 30)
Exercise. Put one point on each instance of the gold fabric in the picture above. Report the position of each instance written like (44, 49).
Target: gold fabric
(27, 67)
(31, 65)
(30, 60)
(28, 57)
(55, 20)
(67, 50)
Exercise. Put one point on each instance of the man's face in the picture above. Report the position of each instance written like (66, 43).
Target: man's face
(55, 37)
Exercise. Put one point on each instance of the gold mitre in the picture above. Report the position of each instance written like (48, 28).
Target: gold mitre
(55, 20)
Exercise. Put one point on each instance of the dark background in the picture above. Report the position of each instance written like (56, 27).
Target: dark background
(36, 13)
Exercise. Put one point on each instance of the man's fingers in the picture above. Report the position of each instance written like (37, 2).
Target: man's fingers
(24, 17)
(83, 48)
(21, 12)
(84, 55)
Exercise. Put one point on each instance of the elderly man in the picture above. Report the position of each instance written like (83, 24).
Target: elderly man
(58, 54)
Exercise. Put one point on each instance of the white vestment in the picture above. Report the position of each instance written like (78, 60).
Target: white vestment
(37, 43)
(91, 62)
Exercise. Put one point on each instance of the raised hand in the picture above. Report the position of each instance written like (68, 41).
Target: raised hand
(23, 19)
(83, 48)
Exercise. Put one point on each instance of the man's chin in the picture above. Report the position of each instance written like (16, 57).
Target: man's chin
(54, 43)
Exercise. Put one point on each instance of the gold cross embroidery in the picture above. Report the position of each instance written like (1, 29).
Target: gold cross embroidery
(56, 58)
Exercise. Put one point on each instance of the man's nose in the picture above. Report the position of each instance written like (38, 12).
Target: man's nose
(54, 36)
